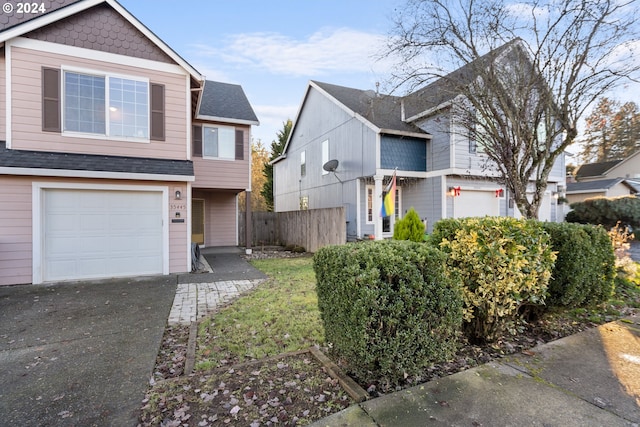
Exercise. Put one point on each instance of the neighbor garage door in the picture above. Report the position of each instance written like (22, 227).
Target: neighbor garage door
(476, 203)
(100, 233)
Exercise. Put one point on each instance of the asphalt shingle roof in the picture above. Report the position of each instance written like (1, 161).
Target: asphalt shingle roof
(227, 101)
(595, 169)
(92, 162)
(448, 87)
(600, 184)
(383, 111)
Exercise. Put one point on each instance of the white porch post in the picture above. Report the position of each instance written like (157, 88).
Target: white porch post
(358, 210)
(377, 205)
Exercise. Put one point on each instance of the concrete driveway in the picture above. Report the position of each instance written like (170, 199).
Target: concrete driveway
(80, 354)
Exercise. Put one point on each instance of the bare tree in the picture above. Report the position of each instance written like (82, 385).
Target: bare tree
(525, 74)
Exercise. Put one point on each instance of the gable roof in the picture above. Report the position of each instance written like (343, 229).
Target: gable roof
(595, 169)
(44, 161)
(12, 19)
(226, 102)
(16, 25)
(443, 90)
(382, 111)
(597, 185)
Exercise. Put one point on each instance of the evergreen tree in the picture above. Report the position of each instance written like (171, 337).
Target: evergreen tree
(612, 131)
(277, 147)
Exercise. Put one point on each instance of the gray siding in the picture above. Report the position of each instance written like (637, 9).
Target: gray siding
(351, 142)
(438, 150)
(425, 197)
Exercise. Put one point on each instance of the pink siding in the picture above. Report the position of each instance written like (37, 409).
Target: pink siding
(220, 217)
(16, 225)
(179, 241)
(15, 230)
(26, 112)
(224, 174)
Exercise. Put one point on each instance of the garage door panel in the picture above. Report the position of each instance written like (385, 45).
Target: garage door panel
(472, 203)
(101, 233)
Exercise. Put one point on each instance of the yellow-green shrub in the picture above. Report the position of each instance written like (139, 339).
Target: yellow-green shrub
(502, 264)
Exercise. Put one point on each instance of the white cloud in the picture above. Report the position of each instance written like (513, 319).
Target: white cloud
(323, 52)
(272, 118)
(526, 11)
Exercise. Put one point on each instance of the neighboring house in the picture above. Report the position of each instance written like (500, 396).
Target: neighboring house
(440, 173)
(626, 168)
(116, 153)
(614, 187)
(613, 178)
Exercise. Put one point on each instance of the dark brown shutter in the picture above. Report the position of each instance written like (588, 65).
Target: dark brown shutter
(239, 144)
(51, 100)
(157, 112)
(196, 138)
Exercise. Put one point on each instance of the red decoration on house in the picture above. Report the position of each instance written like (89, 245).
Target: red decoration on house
(499, 192)
(454, 191)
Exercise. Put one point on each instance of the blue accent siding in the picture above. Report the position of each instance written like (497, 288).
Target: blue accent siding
(408, 154)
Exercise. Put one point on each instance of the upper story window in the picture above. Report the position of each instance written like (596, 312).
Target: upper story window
(325, 155)
(84, 103)
(106, 105)
(303, 163)
(219, 142)
(101, 105)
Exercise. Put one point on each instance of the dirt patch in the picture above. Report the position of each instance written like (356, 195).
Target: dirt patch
(290, 390)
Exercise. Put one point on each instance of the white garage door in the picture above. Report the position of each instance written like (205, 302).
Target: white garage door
(476, 203)
(97, 234)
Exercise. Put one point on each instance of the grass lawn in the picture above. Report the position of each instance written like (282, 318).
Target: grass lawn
(279, 316)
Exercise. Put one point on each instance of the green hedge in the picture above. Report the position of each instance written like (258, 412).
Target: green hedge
(389, 308)
(607, 211)
(503, 265)
(584, 270)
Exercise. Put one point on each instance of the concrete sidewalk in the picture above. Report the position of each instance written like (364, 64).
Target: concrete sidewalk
(588, 379)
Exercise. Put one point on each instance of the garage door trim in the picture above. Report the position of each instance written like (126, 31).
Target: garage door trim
(38, 189)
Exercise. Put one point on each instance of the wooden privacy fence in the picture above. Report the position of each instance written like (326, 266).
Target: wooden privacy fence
(311, 229)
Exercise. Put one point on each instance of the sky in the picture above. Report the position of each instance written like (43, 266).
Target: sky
(272, 48)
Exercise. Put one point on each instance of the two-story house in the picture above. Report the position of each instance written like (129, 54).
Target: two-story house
(115, 152)
(440, 172)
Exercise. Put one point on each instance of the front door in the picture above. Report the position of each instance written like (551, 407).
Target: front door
(197, 221)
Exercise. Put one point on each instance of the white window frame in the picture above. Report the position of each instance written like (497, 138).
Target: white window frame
(233, 143)
(107, 76)
(303, 163)
(325, 155)
(369, 190)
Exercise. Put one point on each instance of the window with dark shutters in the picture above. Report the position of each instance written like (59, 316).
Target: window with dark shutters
(196, 138)
(239, 144)
(51, 100)
(157, 112)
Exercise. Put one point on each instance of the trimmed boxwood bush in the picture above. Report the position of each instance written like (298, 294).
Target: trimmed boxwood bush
(584, 270)
(410, 227)
(503, 265)
(389, 308)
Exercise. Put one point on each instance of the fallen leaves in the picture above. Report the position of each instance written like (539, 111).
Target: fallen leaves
(291, 390)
